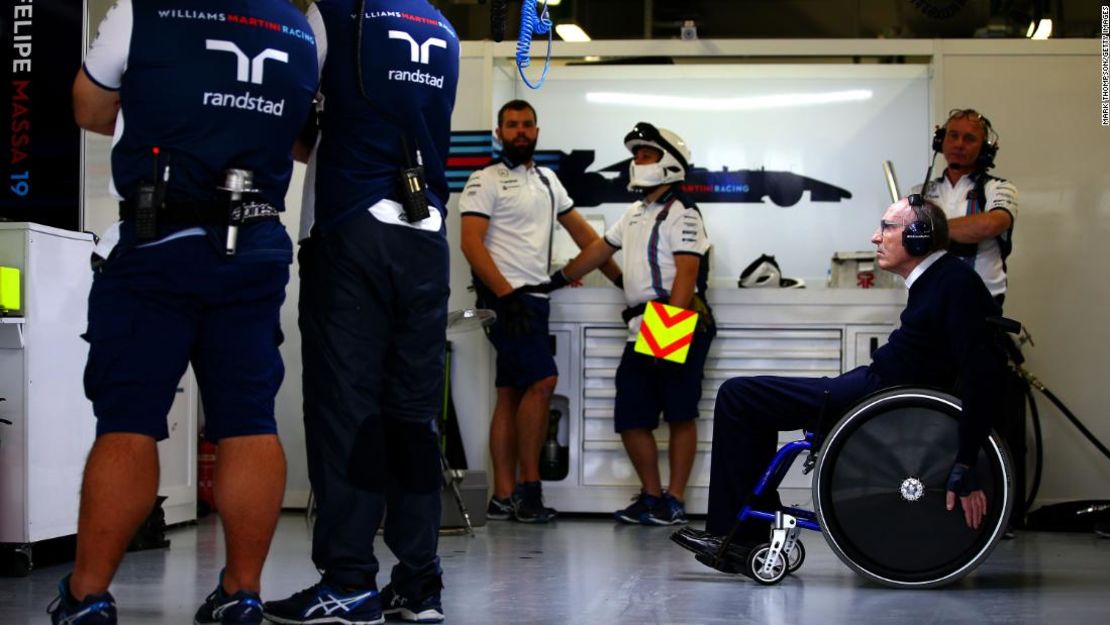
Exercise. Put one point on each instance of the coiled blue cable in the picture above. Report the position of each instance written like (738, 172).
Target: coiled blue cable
(532, 23)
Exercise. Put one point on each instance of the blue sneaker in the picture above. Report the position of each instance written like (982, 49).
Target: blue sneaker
(637, 513)
(242, 608)
(667, 511)
(321, 603)
(97, 609)
(426, 608)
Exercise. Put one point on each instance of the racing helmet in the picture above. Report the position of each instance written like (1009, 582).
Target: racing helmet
(676, 156)
(764, 272)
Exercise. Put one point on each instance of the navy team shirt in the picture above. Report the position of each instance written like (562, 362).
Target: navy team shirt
(410, 66)
(214, 84)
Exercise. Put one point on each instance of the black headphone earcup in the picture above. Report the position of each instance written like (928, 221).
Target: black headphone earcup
(917, 238)
(987, 153)
(938, 139)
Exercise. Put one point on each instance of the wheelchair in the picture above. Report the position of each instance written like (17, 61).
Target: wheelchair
(878, 495)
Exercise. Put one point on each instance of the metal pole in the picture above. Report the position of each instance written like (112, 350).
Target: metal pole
(891, 181)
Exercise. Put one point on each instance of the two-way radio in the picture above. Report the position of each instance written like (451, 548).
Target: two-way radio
(150, 199)
(412, 186)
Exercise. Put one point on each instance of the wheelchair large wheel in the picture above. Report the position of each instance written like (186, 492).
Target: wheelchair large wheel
(879, 491)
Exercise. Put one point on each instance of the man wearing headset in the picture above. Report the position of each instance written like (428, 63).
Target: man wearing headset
(981, 208)
(666, 259)
(944, 341)
(509, 210)
(373, 309)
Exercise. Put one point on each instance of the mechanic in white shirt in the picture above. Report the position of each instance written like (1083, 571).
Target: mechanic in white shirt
(981, 208)
(508, 212)
(666, 259)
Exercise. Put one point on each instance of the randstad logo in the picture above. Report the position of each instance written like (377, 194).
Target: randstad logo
(419, 53)
(244, 102)
(417, 76)
(248, 70)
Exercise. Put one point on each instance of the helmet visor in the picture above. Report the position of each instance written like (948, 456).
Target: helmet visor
(644, 133)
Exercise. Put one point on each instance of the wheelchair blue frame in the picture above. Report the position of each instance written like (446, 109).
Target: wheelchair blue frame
(773, 476)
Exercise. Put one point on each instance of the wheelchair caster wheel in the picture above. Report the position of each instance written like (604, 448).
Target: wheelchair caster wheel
(762, 571)
(797, 557)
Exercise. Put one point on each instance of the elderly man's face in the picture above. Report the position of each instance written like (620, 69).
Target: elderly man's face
(890, 253)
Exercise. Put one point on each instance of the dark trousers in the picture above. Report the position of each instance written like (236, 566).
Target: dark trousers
(749, 414)
(373, 315)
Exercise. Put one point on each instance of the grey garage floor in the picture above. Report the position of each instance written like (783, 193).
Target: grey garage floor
(593, 571)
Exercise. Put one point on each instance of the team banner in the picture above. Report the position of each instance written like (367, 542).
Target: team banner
(666, 332)
(42, 169)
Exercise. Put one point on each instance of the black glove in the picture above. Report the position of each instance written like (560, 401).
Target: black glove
(962, 480)
(513, 313)
(557, 281)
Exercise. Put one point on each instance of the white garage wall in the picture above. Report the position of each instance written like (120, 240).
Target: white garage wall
(1043, 99)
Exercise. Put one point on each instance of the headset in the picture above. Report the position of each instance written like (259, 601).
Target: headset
(917, 236)
(987, 152)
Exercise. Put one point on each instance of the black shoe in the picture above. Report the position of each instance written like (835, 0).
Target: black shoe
(242, 608)
(499, 509)
(707, 547)
(425, 606)
(320, 603)
(528, 504)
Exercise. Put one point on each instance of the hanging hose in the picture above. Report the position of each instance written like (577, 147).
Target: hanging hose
(532, 23)
(1016, 361)
(1038, 444)
(1035, 383)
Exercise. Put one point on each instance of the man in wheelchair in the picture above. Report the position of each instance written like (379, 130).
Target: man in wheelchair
(944, 342)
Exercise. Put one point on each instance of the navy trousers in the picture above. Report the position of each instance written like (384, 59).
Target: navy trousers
(749, 414)
(373, 318)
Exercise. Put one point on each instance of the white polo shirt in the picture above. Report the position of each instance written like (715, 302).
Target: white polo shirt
(521, 204)
(958, 201)
(650, 241)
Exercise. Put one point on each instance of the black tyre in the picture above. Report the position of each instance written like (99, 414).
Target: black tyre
(796, 558)
(755, 566)
(879, 491)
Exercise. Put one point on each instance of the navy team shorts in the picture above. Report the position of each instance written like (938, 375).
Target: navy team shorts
(526, 359)
(648, 386)
(155, 309)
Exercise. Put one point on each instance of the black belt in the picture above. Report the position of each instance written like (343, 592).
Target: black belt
(630, 313)
(202, 213)
(180, 213)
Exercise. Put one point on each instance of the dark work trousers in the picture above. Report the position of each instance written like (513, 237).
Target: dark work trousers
(373, 319)
(747, 419)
